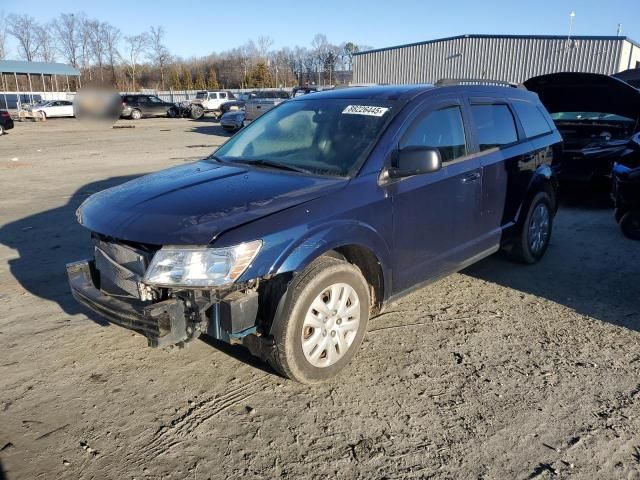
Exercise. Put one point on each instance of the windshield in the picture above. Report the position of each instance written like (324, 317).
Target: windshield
(324, 137)
(582, 116)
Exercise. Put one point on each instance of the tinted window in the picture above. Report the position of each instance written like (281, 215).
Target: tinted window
(223, 95)
(143, 100)
(442, 130)
(532, 119)
(495, 125)
(155, 99)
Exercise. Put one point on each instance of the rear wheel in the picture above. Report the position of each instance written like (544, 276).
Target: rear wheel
(535, 231)
(630, 225)
(1, 130)
(136, 115)
(321, 322)
(618, 214)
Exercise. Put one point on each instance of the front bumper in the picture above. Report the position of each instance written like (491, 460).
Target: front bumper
(163, 323)
(229, 316)
(231, 123)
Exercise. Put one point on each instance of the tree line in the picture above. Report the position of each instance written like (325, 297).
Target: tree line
(105, 55)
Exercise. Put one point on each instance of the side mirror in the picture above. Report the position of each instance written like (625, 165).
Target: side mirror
(415, 161)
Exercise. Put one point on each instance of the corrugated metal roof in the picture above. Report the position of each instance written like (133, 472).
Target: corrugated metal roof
(526, 37)
(37, 68)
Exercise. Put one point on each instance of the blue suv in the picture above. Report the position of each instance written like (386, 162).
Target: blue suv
(302, 227)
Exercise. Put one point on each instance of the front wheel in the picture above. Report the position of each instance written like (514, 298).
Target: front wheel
(630, 225)
(321, 322)
(197, 112)
(535, 231)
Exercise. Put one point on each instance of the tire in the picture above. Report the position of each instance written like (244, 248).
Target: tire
(630, 225)
(197, 112)
(1, 130)
(172, 112)
(300, 352)
(618, 214)
(136, 114)
(535, 232)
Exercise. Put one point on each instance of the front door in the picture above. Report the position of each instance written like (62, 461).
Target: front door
(436, 216)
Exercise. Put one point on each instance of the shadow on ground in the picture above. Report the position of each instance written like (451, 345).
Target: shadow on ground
(208, 126)
(589, 266)
(47, 241)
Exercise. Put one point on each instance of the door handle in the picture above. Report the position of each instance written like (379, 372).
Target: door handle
(470, 177)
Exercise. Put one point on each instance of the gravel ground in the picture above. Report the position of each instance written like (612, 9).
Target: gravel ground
(499, 372)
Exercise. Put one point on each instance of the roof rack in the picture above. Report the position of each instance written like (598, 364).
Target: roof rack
(444, 82)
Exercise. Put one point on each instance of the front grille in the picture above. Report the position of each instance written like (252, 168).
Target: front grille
(121, 267)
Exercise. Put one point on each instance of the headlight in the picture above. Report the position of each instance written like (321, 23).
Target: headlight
(200, 266)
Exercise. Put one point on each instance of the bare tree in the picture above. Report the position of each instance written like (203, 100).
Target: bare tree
(136, 45)
(4, 47)
(320, 47)
(47, 44)
(111, 39)
(349, 50)
(67, 29)
(264, 44)
(25, 30)
(96, 33)
(84, 43)
(158, 52)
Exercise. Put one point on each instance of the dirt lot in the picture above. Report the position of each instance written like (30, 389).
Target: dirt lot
(499, 372)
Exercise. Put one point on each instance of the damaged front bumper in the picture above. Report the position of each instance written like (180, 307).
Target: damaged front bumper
(174, 321)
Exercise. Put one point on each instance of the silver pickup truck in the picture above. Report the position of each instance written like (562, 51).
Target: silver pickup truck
(263, 101)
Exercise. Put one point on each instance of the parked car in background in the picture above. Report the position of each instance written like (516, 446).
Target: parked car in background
(304, 90)
(210, 102)
(597, 116)
(137, 106)
(6, 122)
(52, 108)
(626, 197)
(236, 104)
(232, 121)
(302, 226)
(263, 101)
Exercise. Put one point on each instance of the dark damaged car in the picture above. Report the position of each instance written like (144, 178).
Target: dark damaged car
(307, 222)
(597, 116)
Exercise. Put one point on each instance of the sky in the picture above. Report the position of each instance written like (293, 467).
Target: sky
(198, 27)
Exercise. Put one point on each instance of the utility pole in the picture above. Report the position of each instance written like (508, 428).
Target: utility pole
(619, 30)
(572, 15)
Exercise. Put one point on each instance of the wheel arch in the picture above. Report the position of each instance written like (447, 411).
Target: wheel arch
(543, 180)
(356, 243)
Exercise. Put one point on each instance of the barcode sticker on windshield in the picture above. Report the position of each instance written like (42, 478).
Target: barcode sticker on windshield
(365, 110)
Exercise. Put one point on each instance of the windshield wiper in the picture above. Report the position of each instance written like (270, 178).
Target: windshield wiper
(272, 164)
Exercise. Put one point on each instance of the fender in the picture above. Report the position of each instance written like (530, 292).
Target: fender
(543, 176)
(324, 238)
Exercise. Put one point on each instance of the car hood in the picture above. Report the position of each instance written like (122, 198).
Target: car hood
(192, 204)
(586, 92)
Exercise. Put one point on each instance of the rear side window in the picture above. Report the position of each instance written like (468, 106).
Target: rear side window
(495, 125)
(532, 119)
(442, 130)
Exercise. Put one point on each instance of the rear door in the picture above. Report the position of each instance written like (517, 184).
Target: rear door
(144, 105)
(435, 215)
(507, 163)
(66, 108)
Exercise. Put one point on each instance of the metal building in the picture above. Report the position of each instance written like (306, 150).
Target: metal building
(512, 58)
